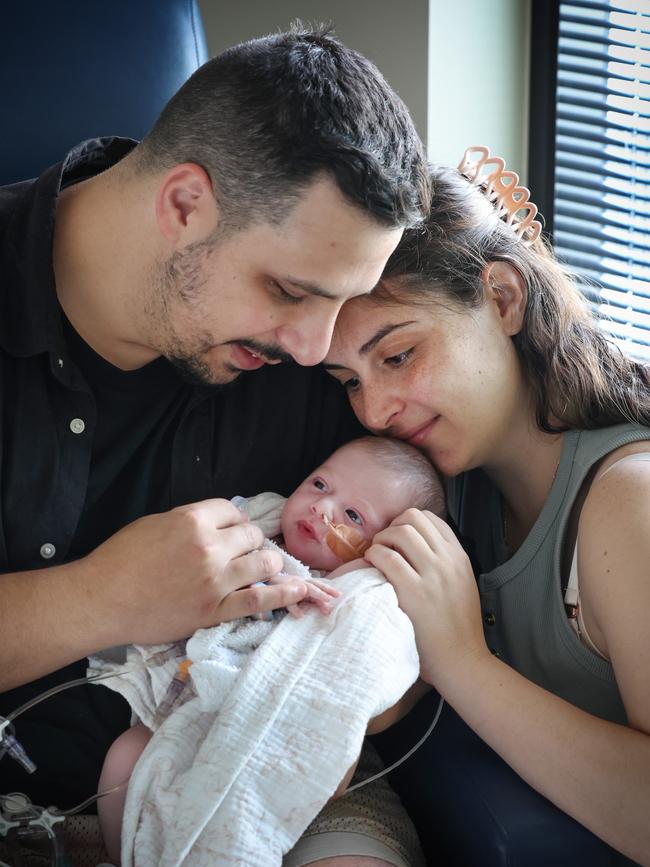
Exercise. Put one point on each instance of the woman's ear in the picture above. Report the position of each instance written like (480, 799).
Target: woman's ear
(506, 287)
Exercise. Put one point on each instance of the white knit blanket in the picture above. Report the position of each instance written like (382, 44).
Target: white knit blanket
(235, 774)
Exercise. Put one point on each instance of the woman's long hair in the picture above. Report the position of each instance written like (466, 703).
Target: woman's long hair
(578, 377)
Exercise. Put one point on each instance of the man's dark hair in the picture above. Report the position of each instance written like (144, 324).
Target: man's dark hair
(267, 116)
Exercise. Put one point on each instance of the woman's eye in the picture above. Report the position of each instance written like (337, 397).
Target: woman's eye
(320, 484)
(355, 517)
(400, 358)
(351, 384)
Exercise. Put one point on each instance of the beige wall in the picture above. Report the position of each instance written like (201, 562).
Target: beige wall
(460, 65)
(478, 79)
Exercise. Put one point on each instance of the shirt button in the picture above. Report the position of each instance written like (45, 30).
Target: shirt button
(48, 551)
(489, 618)
(77, 425)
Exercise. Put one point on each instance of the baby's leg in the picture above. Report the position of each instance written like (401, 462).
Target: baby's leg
(118, 766)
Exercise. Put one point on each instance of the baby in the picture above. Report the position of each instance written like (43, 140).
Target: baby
(332, 517)
(327, 521)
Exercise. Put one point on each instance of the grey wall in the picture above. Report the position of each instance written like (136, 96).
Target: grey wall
(461, 66)
(392, 34)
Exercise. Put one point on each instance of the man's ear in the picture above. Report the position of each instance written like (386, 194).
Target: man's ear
(186, 208)
(506, 287)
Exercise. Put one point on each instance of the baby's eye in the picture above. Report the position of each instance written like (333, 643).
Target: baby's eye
(320, 484)
(400, 358)
(355, 517)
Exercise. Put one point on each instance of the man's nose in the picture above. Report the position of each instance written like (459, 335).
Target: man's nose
(308, 339)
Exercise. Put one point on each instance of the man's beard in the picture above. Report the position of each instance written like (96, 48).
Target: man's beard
(193, 368)
(182, 279)
(195, 371)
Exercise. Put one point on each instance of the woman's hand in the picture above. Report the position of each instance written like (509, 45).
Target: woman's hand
(432, 576)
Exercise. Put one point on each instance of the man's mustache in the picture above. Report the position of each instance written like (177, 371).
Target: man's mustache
(270, 353)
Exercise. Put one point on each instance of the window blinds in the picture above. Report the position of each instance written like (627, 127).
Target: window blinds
(602, 170)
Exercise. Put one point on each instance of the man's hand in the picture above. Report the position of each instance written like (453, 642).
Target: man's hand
(164, 576)
(320, 593)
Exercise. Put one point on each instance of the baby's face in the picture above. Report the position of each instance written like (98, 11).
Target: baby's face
(350, 488)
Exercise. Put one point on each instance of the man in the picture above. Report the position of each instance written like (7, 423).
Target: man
(135, 281)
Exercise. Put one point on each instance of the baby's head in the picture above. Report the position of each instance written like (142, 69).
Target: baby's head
(364, 485)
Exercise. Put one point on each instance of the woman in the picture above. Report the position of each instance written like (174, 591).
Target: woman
(479, 350)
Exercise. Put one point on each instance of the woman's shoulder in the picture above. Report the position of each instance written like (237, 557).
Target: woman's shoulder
(618, 485)
(614, 547)
(619, 491)
(590, 447)
(640, 448)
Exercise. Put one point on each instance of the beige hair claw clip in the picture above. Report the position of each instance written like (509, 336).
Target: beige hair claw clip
(502, 187)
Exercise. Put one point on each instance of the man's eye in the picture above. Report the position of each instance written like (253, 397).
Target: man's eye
(400, 358)
(320, 484)
(355, 517)
(282, 293)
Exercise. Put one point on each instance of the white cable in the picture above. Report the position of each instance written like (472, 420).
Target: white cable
(77, 809)
(404, 757)
(79, 681)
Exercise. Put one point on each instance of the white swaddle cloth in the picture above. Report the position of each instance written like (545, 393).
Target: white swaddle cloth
(235, 775)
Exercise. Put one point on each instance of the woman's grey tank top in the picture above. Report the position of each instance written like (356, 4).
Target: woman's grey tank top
(525, 622)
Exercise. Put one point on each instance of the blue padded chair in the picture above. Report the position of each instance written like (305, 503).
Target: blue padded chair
(72, 70)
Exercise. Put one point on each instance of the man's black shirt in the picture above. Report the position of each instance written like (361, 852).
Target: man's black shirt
(86, 448)
(138, 413)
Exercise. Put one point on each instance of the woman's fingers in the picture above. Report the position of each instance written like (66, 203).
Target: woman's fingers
(416, 550)
(395, 567)
(423, 539)
(430, 526)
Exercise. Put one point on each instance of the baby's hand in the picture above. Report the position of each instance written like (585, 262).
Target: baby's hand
(319, 593)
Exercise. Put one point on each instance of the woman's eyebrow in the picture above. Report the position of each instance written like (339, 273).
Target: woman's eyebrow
(380, 334)
(370, 344)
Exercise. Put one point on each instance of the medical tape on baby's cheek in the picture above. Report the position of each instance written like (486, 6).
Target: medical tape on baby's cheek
(345, 542)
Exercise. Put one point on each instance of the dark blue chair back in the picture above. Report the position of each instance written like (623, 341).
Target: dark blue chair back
(72, 70)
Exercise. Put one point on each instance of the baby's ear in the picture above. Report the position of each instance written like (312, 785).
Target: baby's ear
(505, 286)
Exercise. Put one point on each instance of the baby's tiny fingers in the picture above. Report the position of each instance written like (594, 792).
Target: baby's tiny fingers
(315, 594)
(326, 587)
